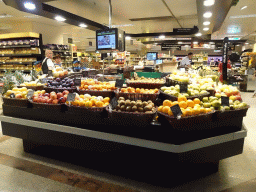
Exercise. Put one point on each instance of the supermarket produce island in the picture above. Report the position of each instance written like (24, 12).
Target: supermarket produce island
(142, 153)
(143, 131)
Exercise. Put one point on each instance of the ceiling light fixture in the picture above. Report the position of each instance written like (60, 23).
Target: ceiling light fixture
(246, 43)
(82, 25)
(128, 37)
(29, 5)
(242, 16)
(209, 3)
(206, 23)
(207, 14)
(206, 29)
(195, 42)
(244, 7)
(59, 18)
(161, 37)
(198, 34)
(179, 42)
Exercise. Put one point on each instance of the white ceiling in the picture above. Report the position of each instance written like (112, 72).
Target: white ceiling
(124, 10)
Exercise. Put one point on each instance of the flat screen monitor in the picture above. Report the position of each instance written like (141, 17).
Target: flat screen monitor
(107, 39)
(159, 61)
(151, 56)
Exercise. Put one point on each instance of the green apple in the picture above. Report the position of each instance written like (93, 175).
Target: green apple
(231, 102)
(226, 108)
(244, 104)
(218, 95)
(201, 103)
(236, 102)
(196, 92)
(205, 100)
(210, 88)
(174, 93)
(207, 105)
(236, 106)
(172, 88)
(240, 105)
(232, 97)
(203, 92)
(216, 103)
(163, 88)
(186, 95)
(212, 108)
(212, 98)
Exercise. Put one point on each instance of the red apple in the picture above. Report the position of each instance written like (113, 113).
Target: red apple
(238, 98)
(64, 99)
(43, 100)
(59, 95)
(228, 94)
(39, 100)
(55, 101)
(35, 99)
(65, 92)
(53, 97)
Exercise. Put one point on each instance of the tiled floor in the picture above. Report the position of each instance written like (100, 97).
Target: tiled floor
(20, 171)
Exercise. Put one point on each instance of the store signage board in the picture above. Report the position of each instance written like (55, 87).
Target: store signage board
(183, 30)
(77, 82)
(30, 94)
(70, 40)
(183, 88)
(113, 103)
(12, 95)
(224, 101)
(176, 111)
(170, 46)
(119, 83)
(50, 73)
(71, 97)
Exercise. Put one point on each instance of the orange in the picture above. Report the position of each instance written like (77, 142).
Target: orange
(123, 90)
(106, 100)
(196, 101)
(197, 106)
(183, 104)
(81, 96)
(75, 103)
(196, 111)
(137, 90)
(93, 101)
(202, 110)
(170, 113)
(167, 103)
(208, 110)
(188, 112)
(99, 104)
(156, 91)
(175, 103)
(88, 104)
(160, 108)
(189, 108)
(183, 112)
(105, 104)
(182, 98)
(129, 89)
(190, 103)
(166, 109)
(82, 103)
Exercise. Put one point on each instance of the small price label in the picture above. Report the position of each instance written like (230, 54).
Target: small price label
(49, 72)
(85, 73)
(30, 94)
(119, 83)
(176, 110)
(12, 95)
(224, 101)
(71, 97)
(77, 82)
(183, 88)
(113, 103)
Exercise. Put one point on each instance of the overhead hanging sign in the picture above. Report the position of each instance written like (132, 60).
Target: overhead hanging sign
(183, 30)
(170, 46)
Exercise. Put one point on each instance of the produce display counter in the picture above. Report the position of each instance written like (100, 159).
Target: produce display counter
(141, 153)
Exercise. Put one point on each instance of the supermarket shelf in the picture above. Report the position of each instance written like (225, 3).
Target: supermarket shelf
(19, 55)
(61, 51)
(17, 46)
(19, 63)
(25, 70)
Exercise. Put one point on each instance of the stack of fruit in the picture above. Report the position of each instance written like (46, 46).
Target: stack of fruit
(89, 101)
(66, 83)
(139, 90)
(50, 98)
(228, 91)
(91, 84)
(187, 106)
(19, 93)
(215, 103)
(193, 90)
(135, 106)
(146, 80)
(32, 83)
(181, 77)
(59, 72)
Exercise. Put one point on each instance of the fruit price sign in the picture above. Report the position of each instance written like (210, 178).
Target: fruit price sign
(113, 103)
(12, 95)
(176, 111)
(44, 80)
(224, 101)
(183, 88)
(77, 82)
(71, 97)
(30, 94)
(119, 83)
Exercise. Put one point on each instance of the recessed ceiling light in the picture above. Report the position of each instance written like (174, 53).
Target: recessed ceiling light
(31, 16)
(161, 37)
(244, 7)
(5, 15)
(82, 25)
(206, 23)
(59, 18)
(179, 42)
(246, 43)
(242, 16)
(198, 34)
(195, 42)
(208, 2)
(30, 5)
(207, 14)
(211, 42)
(206, 29)
(128, 37)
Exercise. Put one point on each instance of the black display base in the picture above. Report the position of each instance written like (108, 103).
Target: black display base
(155, 132)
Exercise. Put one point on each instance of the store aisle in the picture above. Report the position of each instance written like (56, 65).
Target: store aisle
(26, 172)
